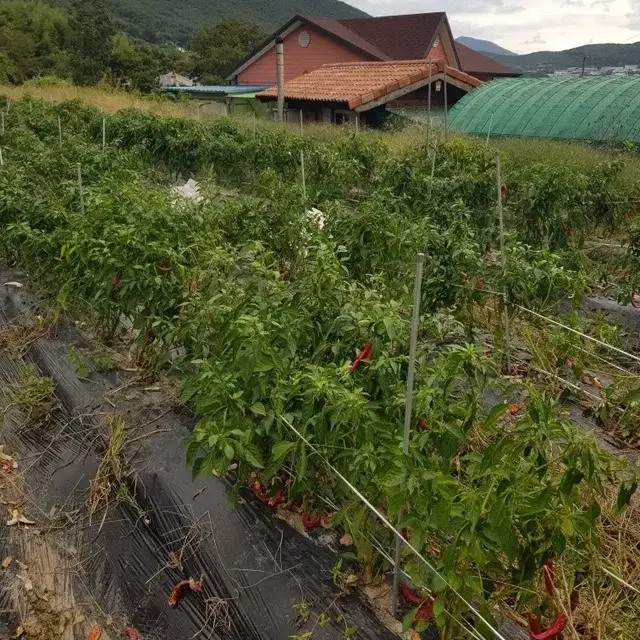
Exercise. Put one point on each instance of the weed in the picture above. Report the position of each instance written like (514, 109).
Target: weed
(32, 395)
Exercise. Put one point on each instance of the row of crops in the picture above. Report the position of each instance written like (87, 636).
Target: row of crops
(270, 317)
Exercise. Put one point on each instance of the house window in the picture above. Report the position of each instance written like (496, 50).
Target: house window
(304, 39)
(343, 117)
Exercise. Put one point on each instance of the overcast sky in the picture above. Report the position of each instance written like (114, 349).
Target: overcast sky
(544, 24)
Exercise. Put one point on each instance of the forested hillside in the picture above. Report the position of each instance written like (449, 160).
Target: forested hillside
(162, 21)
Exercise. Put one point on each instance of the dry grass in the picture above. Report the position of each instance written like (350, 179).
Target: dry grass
(109, 101)
(111, 474)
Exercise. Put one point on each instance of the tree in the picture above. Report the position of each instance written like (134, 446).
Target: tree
(137, 65)
(219, 47)
(33, 38)
(91, 32)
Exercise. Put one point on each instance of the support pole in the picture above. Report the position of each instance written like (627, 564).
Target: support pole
(60, 130)
(429, 101)
(433, 167)
(408, 408)
(446, 106)
(104, 133)
(507, 327)
(301, 124)
(280, 76)
(1, 158)
(2, 122)
(80, 188)
(489, 132)
(304, 181)
(357, 123)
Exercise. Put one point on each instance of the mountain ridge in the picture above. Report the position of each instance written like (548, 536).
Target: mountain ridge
(598, 55)
(161, 21)
(484, 46)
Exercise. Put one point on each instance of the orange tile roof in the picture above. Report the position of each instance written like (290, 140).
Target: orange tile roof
(358, 83)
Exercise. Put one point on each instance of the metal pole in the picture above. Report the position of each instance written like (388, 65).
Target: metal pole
(429, 102)
(304, 180)
(1, 158)
(433, 167)
(489, 132)
(408, 407)
(60, 130)
(357, 123)
(280, 76)
(104, 133)
(507, 327)
(301, 124)
(446, 105)
(80, 188)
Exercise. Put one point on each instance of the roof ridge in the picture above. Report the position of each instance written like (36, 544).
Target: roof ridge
(396, 15)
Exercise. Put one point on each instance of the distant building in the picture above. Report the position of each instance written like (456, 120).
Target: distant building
(172, 79)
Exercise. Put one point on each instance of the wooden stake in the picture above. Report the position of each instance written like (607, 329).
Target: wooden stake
(304, 181)
(104, 133)
(60, 130)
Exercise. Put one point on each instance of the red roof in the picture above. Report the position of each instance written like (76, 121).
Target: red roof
(406, 37)
(473, 62)
(360, 83)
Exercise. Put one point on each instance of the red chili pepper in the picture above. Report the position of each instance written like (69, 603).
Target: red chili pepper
(410, 595)
(570, 233)
(549, 576)
(423, 424)
(478, 283)
(425, 612)
(131, 633)
(634, 302)
(259, 492)
(95, 632)
(164, 269)
(629, 214)
(176, 592)
(365, 355)
(309, 522)
(276, 500)
(116, 281)
(405, 534)
(515, 409)
(558, 626)
(569, 363)
(148, 337)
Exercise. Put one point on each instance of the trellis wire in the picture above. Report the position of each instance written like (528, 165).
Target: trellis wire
(397, 533)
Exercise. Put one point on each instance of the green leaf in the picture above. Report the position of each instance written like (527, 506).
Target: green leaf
(438, 607)
(228, 452)
(257, 408)
(388, 325)
(280, 450)
(632, 397)
(625, 493)
(567, 527)
(408, 620)
(253, 457)
(495, 414)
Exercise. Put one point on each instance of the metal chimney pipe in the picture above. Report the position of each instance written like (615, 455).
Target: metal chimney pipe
(280, 68)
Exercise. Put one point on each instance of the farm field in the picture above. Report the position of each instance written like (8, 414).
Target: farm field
(279, 302)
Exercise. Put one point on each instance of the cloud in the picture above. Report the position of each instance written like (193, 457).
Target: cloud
(556, 25)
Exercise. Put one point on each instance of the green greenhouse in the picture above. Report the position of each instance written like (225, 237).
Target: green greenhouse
(598, 109)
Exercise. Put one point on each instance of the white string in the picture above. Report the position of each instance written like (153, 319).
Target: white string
(584, 335)
(397, 533)
(629, 373)
(620, 580)
(378, 545)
